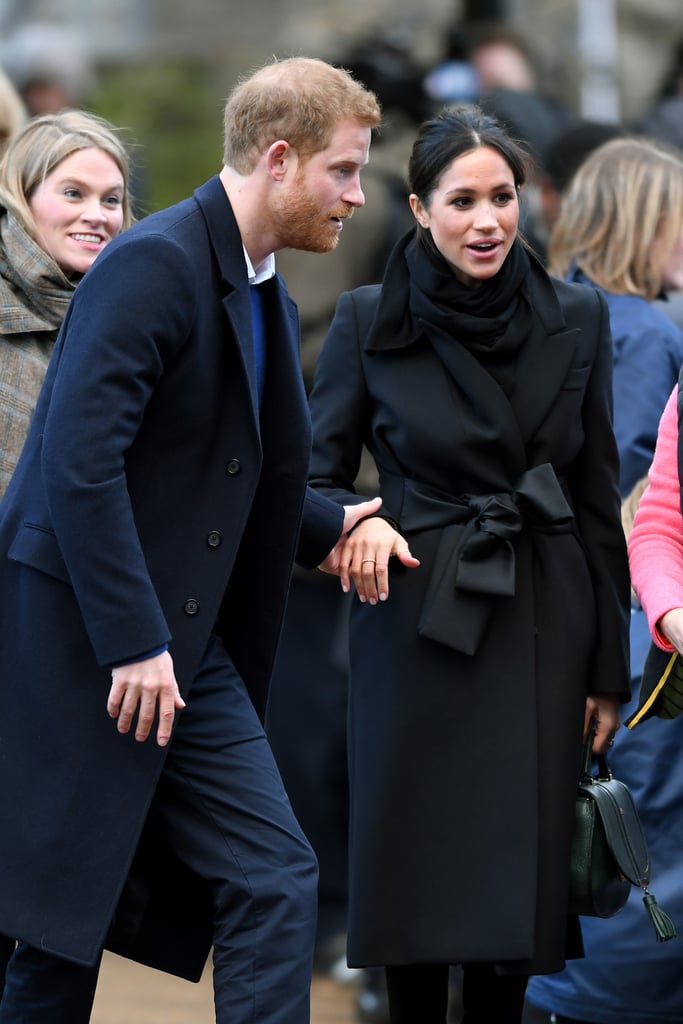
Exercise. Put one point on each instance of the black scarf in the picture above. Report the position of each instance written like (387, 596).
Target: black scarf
(423, 293)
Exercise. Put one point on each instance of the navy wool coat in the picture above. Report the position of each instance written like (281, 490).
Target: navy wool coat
(468, 685)
(151, 505)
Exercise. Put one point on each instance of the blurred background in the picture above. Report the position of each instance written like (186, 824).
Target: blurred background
(162, 68)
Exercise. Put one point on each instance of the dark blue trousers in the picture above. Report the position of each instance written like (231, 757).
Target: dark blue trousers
(222, 805)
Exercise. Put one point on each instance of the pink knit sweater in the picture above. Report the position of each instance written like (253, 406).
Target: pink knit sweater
(655, 545)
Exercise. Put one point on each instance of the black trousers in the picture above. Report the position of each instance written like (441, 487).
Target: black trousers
(420, 993)
(306, 728)
(222, 806)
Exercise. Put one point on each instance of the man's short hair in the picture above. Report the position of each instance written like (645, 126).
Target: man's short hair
(300, 100)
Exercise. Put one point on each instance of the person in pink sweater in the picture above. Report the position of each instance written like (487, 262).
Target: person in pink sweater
(656, 540)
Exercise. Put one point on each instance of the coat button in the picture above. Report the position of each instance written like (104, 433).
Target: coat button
(233, 467)
(191, 606)
(214, 539)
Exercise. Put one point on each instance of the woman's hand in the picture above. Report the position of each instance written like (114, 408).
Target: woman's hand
(602, 713)
(365, 558)
(671, 626)
(352, 515)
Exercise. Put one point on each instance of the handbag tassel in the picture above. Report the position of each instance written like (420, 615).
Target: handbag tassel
(663, 925)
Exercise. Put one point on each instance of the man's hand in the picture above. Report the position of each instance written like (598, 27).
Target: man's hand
(145, 687)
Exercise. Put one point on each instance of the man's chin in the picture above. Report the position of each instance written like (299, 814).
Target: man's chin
(317, 244)
(331, 244)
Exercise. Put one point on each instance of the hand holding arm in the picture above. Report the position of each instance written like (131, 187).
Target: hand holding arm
(363, 556)
(142, 687)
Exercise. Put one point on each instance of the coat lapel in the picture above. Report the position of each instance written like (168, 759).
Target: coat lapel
(227, 245)
(550, 346)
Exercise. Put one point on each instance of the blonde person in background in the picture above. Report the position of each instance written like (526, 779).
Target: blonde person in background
(12, 111)
(64, 194)
(621, 229)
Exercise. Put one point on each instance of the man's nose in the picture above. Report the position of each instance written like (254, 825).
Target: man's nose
(353, 194)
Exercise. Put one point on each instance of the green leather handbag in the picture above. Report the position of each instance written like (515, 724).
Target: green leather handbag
(609, 851)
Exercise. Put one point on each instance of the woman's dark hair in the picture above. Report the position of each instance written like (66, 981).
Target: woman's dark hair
(452, 133)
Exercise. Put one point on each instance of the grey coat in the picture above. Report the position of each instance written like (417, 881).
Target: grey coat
(34, 295)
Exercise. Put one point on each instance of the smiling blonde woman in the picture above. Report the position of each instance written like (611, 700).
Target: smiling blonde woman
(64, 194)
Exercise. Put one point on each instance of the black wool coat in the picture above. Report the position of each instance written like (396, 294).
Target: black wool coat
(468, 685)
(152, 504)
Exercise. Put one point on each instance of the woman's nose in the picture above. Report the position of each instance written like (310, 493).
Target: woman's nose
(93, 211)
(486, 215)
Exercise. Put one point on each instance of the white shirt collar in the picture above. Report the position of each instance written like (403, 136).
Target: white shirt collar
(264, 270)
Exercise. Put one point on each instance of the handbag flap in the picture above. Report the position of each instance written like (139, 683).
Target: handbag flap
(622, 827)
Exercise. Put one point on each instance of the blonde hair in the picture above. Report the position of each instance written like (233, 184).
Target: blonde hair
(621, 216)
(300, 100)
(12, 111)
(42, 144)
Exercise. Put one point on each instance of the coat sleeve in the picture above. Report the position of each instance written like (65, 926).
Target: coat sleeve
(130, 314)
(594, 487)
(321, 527)
(656, 540)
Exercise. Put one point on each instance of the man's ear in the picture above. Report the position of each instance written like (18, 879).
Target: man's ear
(278, 156)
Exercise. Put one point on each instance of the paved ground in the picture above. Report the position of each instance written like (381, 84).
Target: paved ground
(130, 994)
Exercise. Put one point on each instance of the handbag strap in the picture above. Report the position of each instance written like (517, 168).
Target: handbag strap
(604, 771)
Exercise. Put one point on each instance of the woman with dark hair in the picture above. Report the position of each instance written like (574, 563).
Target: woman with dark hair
(482, 388)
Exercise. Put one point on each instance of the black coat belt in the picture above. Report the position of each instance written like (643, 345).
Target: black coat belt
(475, 564)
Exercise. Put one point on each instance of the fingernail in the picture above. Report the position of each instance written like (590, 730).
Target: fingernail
(382, 597)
